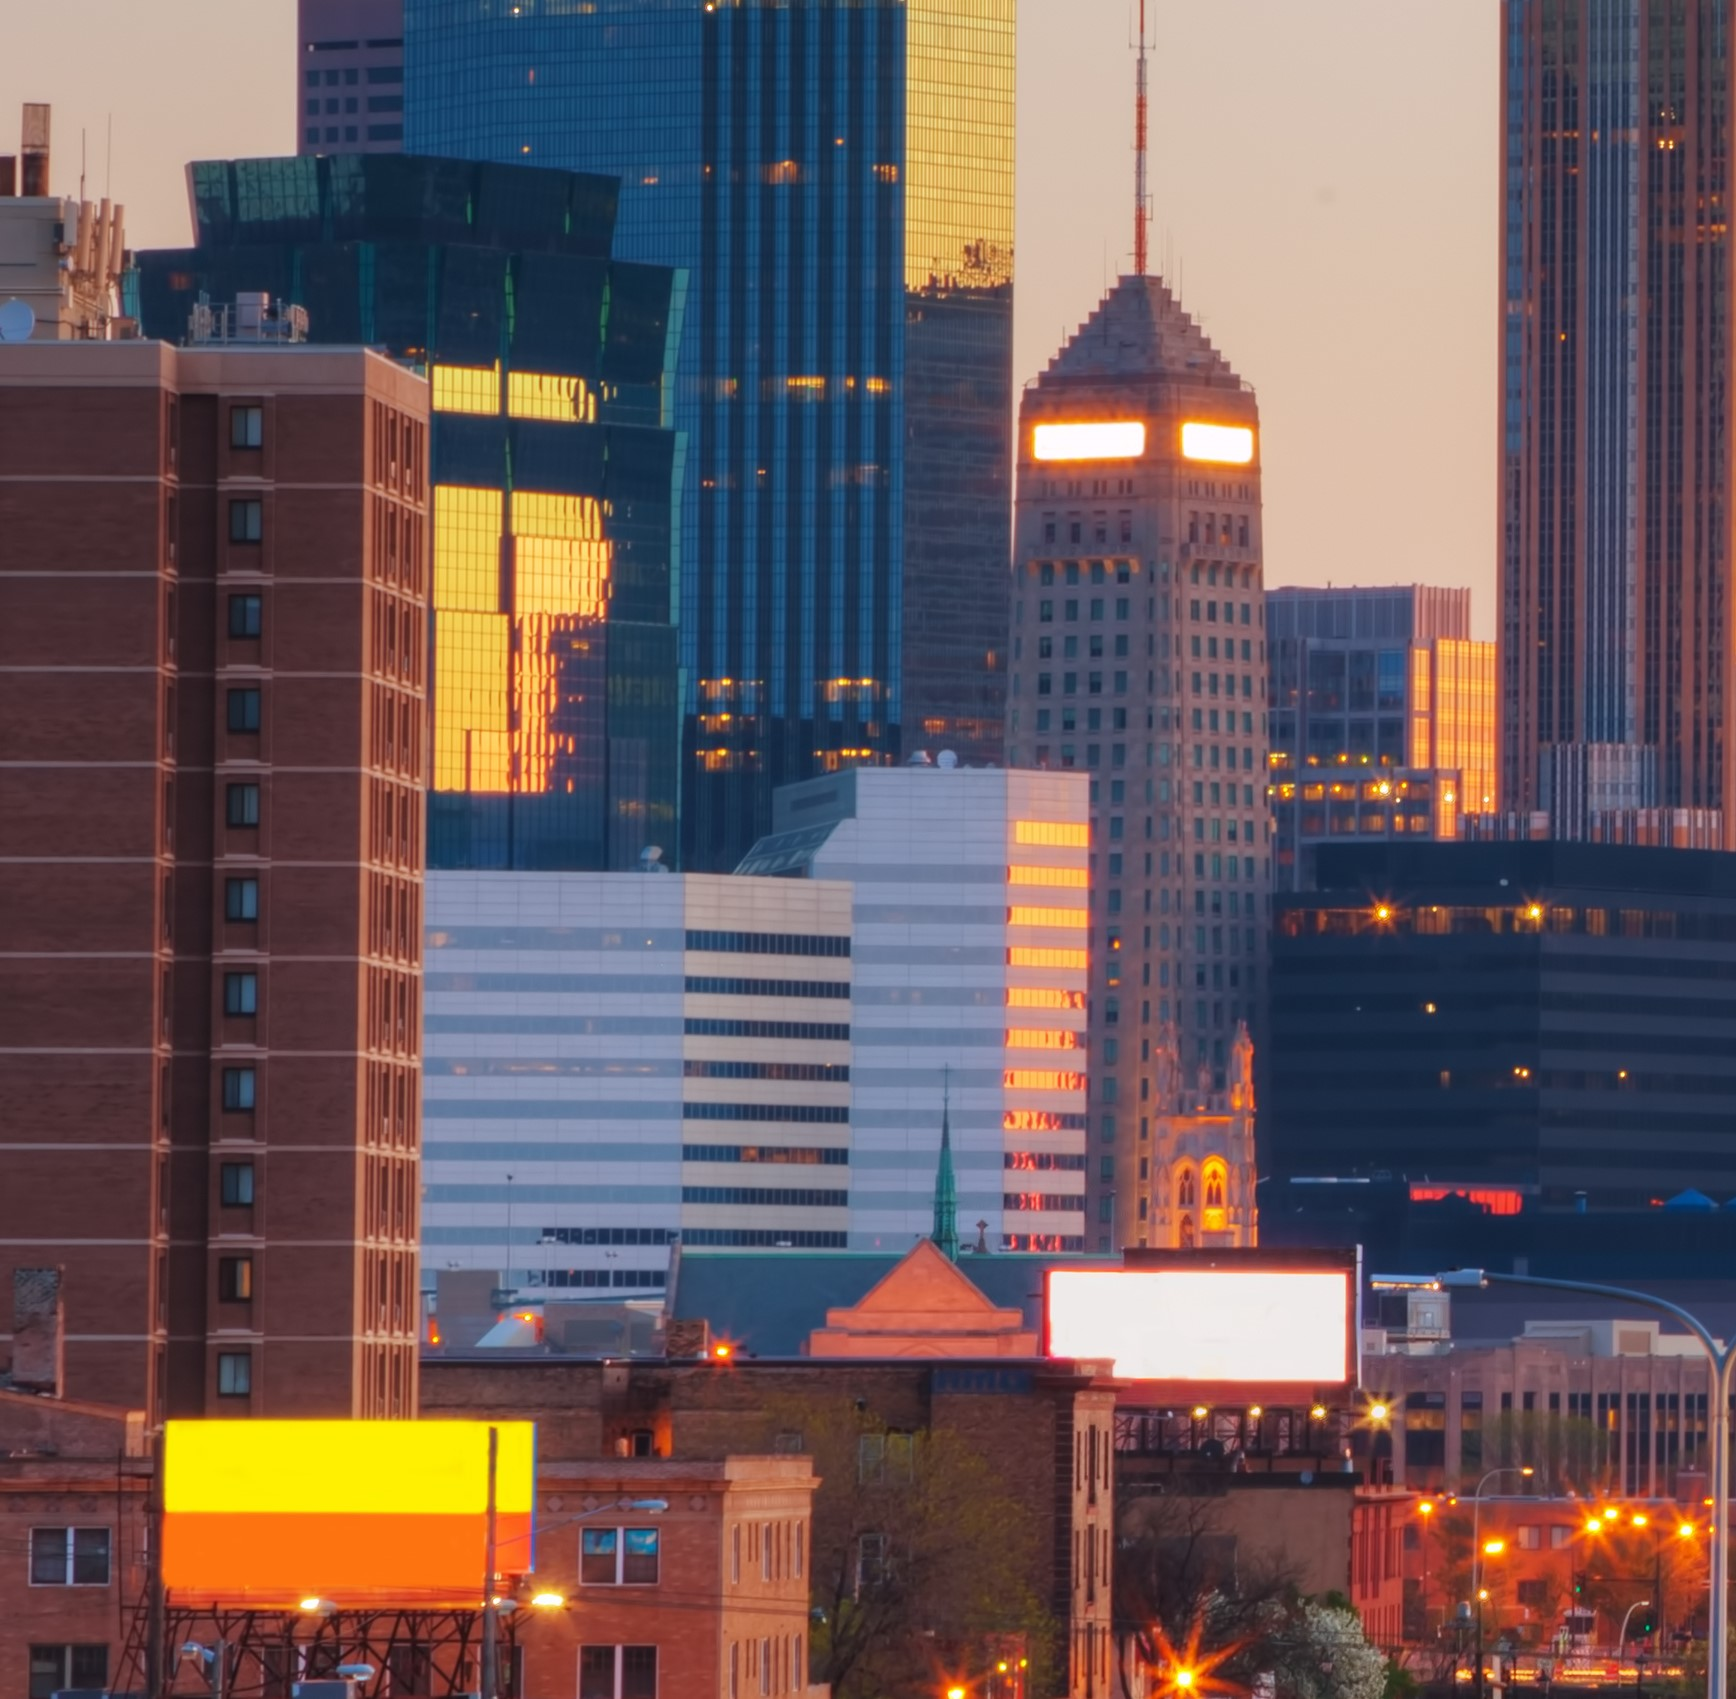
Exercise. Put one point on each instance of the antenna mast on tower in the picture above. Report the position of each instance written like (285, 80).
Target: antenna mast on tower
(1140, 210)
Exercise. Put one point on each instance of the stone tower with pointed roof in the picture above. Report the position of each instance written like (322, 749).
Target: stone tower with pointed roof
(1138, 654)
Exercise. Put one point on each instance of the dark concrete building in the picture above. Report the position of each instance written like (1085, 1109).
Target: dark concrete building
(215, 581)
(1547, 1024)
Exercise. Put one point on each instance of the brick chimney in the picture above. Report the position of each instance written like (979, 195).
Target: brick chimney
(38, 1331)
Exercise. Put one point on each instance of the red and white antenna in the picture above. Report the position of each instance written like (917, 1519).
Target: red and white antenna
(1141, 210)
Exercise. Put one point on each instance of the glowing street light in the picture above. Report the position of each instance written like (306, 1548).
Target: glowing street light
(548, 1601)
(1494, 1548)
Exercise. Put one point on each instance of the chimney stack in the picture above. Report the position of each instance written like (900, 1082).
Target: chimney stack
(35, 149)
(38, 1332)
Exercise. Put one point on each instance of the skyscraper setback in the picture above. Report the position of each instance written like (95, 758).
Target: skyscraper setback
(1615, 552)
(836, 183)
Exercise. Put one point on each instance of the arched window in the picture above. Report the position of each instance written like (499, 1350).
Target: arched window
(1186, 1234)
(1184, 1189)
(1214, 1186)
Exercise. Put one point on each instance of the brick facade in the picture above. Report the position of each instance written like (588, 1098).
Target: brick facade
(1039, 1424)
(212, 674)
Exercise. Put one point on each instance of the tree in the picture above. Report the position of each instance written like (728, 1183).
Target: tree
(1571, 1454)
(1186, 1596)
(921, 1558)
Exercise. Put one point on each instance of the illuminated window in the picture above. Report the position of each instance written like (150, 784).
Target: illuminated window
(1027, 956)
(1071, 919)
(1060, 833)
(1226, 444)
(1071, 878)
(1099, 440)
(542, 395)
(467, 389)
(235, 1279)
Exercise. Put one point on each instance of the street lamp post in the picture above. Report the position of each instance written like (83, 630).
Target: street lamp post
(1527, 1471)
(1627, 1617)
(1720, 1360)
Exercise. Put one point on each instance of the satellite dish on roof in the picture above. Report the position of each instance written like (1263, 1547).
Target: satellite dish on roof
(17, 321)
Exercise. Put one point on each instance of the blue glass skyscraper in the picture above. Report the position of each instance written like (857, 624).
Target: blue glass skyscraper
(837, 182)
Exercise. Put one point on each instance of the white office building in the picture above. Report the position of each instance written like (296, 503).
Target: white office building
(614, 1061)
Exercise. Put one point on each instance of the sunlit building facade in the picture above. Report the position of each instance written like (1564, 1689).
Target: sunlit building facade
(970, 927)
(1139, 657)
(556, 738)
(1615, 457)
(1382, 718)
(836, 182)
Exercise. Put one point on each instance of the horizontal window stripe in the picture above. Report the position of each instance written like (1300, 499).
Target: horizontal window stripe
(801, 1197)
(796, 1155)
(722, 986)
(550, 984)
(768, 943)
(542, 1026)
(820, 1031)
(815, 1112)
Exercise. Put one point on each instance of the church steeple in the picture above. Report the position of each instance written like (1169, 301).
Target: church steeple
(945, 1230)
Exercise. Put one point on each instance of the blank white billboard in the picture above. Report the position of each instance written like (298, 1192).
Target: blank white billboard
(1253, 1327)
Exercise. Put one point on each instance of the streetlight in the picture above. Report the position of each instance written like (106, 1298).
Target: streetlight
(1621, 1638)
(1720, 1361)
(1493, 1549)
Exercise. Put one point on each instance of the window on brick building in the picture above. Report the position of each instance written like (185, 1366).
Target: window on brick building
(872, 1566)
(240, 899)
(246, 615)
(245, 707)
(237, 1182)
(246, 521)
(241, 805)
(246, 427)
(618, 1557)
(617, 1672)
(53, 1668)
(235, 1279)
(241, 994)
(234, 1374)
(239, 1087)
(885, 1457)
(69, 1557)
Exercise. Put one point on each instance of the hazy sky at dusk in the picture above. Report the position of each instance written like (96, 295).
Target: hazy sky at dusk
(1324, 181)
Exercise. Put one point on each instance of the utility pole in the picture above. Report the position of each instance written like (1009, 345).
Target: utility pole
(490, 1683)
(156, 1602)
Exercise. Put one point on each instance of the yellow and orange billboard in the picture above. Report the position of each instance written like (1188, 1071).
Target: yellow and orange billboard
(278, 1512)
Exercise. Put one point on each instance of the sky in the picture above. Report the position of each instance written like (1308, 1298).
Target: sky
(1324, 192)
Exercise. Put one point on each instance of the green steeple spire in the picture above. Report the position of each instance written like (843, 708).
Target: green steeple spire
(945, 1233)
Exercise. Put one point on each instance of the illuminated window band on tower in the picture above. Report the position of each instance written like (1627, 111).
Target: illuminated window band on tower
(1227, 445)
(1116, 439)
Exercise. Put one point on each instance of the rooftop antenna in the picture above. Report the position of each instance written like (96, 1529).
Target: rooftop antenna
(1141, 209)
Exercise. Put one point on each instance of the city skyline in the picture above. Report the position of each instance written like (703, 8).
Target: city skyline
(1362, 256)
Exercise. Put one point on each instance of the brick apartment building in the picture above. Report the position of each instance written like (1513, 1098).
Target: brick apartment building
(73, 1481)
(707, 1595)
(213, 566)
(1044, 1426)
